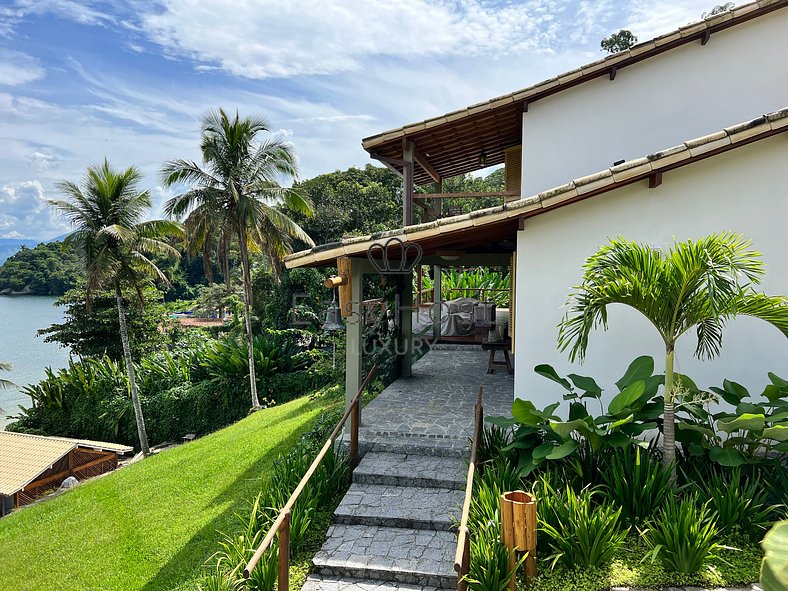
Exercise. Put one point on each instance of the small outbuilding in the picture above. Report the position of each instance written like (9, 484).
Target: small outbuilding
(32, 465)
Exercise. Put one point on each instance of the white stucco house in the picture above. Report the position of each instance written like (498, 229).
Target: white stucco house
(675, 138)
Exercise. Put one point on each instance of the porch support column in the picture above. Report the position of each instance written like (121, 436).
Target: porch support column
(354, 330)
(406, 325)
(407, 183)
(437, 296)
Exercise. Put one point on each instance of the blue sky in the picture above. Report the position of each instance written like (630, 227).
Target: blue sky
(129, 79)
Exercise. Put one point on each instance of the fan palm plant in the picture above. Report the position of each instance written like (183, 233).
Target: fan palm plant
(697, 285)
(106, 212)
(236, 194)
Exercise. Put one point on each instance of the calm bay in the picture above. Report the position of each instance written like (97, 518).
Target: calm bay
(20, 318)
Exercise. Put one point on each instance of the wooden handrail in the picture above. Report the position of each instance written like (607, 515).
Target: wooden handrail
(463, 553)
(282, 520)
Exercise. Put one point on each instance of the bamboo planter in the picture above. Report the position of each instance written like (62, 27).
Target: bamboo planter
(518, 529)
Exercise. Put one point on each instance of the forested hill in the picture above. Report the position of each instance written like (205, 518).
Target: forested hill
(46, 269)
(349, 202)
(9, 246)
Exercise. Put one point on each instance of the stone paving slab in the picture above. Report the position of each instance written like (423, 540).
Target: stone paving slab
(400, 506)
(318, 583)
(437, 402)
(411, 470)
(393, 554)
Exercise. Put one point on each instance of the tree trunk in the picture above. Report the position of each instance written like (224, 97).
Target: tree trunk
(247, 281)
(669, 417)
(135, 396)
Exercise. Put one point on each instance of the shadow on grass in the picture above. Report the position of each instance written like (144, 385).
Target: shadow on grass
(186, 564)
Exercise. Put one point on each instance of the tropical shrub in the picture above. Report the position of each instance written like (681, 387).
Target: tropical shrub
(541, 435)
(774, 569)
(757, 428)
(581, 532)
(738, 503)
(489, 563)
(683, 535)
(198, 387)
(637, 482)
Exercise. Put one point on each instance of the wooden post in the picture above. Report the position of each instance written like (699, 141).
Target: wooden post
(354, 330)
(406, 324)
(284, 554)
(437, 296)
(518, 530)
(355, 419)
(407, 183)
(462, 584)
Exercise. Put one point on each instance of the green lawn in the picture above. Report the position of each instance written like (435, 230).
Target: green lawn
(152, 525)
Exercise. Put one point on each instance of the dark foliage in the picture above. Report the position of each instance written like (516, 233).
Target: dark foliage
(47, 269)
(95, 333)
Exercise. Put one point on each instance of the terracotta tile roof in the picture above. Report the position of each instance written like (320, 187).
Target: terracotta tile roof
(23, 457)
(580, 188)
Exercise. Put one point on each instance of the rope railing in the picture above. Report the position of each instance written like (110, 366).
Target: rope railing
(462, 556)
(281, 524)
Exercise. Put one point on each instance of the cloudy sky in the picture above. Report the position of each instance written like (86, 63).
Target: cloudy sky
(81, 80)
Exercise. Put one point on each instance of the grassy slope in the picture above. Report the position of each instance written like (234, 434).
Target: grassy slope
(149, 526)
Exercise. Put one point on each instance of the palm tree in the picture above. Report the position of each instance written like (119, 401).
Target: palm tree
(5, 384)
(114, 242)
(700, 285)
(236, 194)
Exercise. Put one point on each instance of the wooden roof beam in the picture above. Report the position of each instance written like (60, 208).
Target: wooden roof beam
(421, 159)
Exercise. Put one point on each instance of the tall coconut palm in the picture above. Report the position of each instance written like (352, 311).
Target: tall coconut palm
(695, 284)
(236, 193)
(5, 384)
(106, 212)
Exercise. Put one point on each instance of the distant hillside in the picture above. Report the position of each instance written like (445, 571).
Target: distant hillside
(46, 269)
(9, 246)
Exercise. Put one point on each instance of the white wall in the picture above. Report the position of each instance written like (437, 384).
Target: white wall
(681, 94)
(743, 190)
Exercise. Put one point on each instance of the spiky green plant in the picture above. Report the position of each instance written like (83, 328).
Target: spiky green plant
(582, 532)
(683, 535)
(636, 482)
(738, 503)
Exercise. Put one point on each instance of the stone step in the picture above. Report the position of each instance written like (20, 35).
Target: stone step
(400, 506)
(320, 583)
(404, 444)
(411, 470)
(401, 555)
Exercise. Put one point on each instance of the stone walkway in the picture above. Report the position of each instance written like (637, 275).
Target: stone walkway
(393, 529)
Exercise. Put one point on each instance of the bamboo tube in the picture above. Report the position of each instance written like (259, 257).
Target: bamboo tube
(518, 530)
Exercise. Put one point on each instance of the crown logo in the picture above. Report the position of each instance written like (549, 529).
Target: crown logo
(394, 257)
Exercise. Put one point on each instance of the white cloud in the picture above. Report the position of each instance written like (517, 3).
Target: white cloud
(268, 38)
(17, 68)
(81, 12)
(650, 18)
(24, 212)
(44, 161)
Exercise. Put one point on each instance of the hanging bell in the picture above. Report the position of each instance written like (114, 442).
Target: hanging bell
(333, 317)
